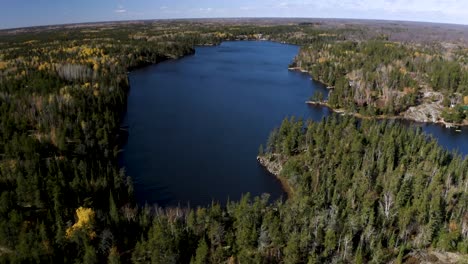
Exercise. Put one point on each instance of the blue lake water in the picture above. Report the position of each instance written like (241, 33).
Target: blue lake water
(195, 124)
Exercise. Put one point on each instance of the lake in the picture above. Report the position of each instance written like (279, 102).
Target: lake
(195, 124)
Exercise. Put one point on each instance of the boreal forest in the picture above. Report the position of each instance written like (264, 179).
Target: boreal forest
(360, 190)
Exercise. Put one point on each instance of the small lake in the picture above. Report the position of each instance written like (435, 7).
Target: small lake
(195, 124)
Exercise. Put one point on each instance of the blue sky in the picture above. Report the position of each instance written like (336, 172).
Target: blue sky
(20, 13)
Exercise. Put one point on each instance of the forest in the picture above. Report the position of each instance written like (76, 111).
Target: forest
(362, 191)
(375, 189)
(379, 77)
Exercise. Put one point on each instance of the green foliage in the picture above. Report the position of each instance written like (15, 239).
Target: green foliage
(362, 190)
(317, 97)
(114, 257)
(114, 215)
(330, 241)
(61, 99)
(367, 179)
(367, 195)
(457, 114)
(201, 255)
(382, 77)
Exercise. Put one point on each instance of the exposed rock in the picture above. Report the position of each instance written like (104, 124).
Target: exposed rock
(429, 109)
(274, 164)
(271, 162)
(427, 112)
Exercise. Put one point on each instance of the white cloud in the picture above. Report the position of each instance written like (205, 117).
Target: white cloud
(208, 9)
(120, 9)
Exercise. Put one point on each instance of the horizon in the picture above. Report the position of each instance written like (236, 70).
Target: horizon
(19, 14)
(230, 18)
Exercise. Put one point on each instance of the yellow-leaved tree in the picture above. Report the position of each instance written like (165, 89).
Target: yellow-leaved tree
(85, 222)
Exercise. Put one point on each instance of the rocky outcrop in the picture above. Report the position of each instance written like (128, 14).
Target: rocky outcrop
(274, 164)
(428, 112)
(271, 162)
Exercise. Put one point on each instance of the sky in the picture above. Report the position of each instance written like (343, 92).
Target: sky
(23, 13)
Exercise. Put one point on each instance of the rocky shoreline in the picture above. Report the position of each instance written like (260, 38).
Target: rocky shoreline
(423, 113)
(382, 117)
(297, 69)
(273, 163)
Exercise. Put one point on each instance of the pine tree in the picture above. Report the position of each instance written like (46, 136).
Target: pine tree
(113, 209)
(201, 255)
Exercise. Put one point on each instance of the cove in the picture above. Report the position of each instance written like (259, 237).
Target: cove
(195, 124)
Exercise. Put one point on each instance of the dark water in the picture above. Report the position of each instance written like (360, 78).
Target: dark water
(195, 124)
(450, 139)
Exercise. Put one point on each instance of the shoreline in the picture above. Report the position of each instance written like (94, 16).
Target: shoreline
(377, 117)
(299, 69)
(274, 167)
(384, 117)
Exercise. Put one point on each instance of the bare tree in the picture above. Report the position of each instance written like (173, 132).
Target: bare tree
(387, 204)
(346, 241)
(73, 72)
(464, 230)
